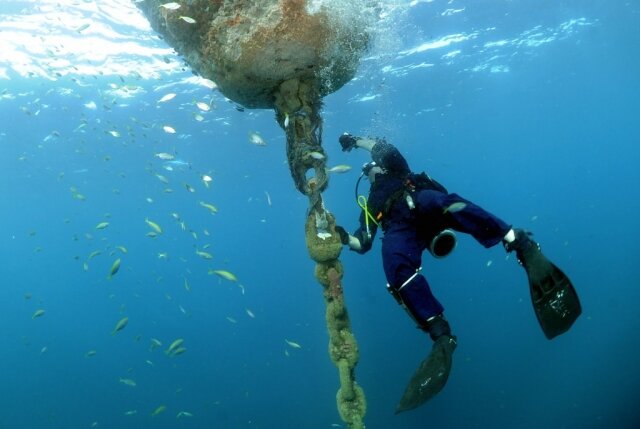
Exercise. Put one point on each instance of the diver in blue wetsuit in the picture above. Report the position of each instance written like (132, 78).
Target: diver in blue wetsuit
(417, 213)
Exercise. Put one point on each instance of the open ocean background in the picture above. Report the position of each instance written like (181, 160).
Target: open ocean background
(528, 108)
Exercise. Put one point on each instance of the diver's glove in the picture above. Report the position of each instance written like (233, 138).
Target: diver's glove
(522, 244)
(344, 235)
(347, 141)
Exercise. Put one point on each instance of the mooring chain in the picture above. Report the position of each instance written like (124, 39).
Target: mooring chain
(298, 106)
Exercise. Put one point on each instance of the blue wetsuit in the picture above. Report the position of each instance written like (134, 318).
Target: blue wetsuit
(408, 232)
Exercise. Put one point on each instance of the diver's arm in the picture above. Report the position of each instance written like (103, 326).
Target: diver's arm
(349, 141)
(359, 241)
(365, 143)
(384, 154)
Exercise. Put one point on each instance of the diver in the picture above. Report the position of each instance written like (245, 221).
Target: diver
(416, 213)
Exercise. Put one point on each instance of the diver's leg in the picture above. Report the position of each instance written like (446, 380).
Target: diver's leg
(402, 257)
(453, 211)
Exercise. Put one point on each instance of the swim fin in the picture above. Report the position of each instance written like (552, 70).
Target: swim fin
(554, 299)
(431, 375)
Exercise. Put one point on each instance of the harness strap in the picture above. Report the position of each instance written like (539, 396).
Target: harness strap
(409, 279)
(412, 182)
(395, 293)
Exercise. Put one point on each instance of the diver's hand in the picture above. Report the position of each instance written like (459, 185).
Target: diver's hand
(344, 235)
(347, 141)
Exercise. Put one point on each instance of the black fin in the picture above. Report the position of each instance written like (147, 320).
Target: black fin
(430, 377)
(554, 299)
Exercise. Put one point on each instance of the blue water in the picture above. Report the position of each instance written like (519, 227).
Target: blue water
(527, 108)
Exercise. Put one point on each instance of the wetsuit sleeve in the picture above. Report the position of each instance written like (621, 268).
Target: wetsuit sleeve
(389, 157)
(361, 234)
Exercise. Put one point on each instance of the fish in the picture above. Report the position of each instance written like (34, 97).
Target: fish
(256, 139)
(128, 382)
(78, 196)
(176, 344)
(342, 168)
(178, 351)
(168, 129)
(122, 249)
(90, 353)
(213, 209)
(224, 274)
(316, 155)
(203, 106)
(114, 133)
(183, 414)
(203, 254)
(208, 83)
(186, 285)
(93, 254)
(164, 156)
(82, 28)
(176, 163)
(250, 313)
(292, 344)
(455, 207)
(268, 198)
(114, 268)
(206, 179)
(122, 323)
(155, 343)
(167, 97)
(131, 412)
(159, 410)
(156, 228)
(102, 225)
(286, 120)
(171, 5)
(231, 319)
(37, 313)
(162, 178)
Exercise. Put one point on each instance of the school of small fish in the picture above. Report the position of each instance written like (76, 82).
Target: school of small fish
(139, 238)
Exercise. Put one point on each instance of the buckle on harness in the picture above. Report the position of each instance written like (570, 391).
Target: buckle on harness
(395, 294)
